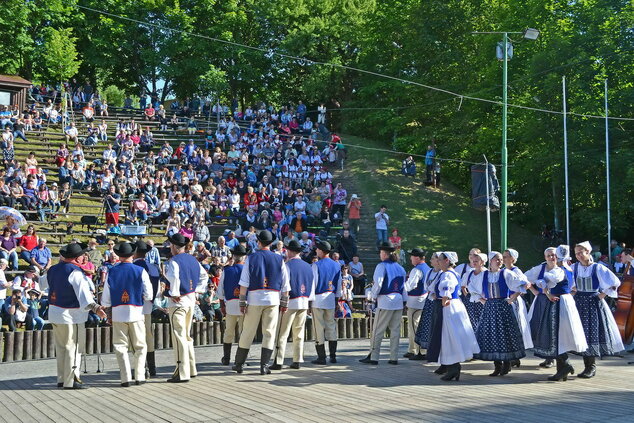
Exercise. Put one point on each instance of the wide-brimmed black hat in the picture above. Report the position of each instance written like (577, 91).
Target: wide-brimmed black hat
(294, 245)
(265, 237)
(31, 269)
(73, 250)
(387, 246)
(142, 247)
(417, 252)
(324, 246)
(239, 250)
(178, 239)
(124, 249)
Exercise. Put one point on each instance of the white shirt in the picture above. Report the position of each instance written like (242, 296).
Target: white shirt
(70, 316)
(463, 270)
(608, 282)
(418, 301)
(173, 276)
(129, 313)
(393, 301)
(264, 297)
(381, 223)
(3, 285)
(325, 300)
(301, 303)
(232, 306)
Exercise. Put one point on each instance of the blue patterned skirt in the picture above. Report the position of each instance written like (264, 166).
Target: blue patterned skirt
(498, 332)
(435, 333)
(545, 327)
(424, 325)
(474, 310)
(541, 309)
(600, 335)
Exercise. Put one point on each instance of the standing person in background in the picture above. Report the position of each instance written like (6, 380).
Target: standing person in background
(321, 118)
(430, 160)
(416, 296)
(229, 294)
(354, 213)
(382, 221)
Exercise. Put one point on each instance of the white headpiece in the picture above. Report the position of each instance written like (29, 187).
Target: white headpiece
(483, 257)
(585, 245)
(513, 253)
(493, 254)
(452, 256)
(563, 253)
(550, 249)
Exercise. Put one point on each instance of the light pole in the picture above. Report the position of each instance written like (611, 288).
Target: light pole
(506, 47)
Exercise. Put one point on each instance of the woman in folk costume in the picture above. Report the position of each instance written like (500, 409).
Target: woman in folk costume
(498, 332)
(452, 339)
(593, 283)
(472, 303)
(509, 258)
(424, 325)
(463, 271)
(539, 312)
(561, 330)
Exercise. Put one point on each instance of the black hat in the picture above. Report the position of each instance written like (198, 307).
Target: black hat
(142, 247)
(124, 249)
(73, 250)
(239, 250)
(323, 246)
(417, 252)
(178, 239)
(265, 237)
(31, 269)
(387, 246)
(294, 245)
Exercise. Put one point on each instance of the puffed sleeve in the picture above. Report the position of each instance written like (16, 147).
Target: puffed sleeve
(475, 286)
(447, 284)
(515, 282)
(552, 278)
(379, 273)
(414, 276)
(608, 282)
(533, 277)
(465, 279)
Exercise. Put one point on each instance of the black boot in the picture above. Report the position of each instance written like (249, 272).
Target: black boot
(563, 369)
(441, 370)
(547, 363)
(453, 372)
(321, 354)
(506, 368)
(498, 368)
(590, 368)
(418, 357)
(516, 363)
(226, 358)
(332, 348)
(368, 360)
(151, 363)
(265, 357)
(241, 357)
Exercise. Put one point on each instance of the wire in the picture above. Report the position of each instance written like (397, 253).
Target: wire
(335, 65)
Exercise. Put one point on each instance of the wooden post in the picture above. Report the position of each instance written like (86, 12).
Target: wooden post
(217, 333)
(167, 338)
(156, 331)
(18, 345)
(363, 326)
(349, 334)
(356, 328)
(308, 331)
(204, 340)
(158, 336)
(90, 341)
(8, 346)
(107, 339)
(340, 328)
(194, 334)
(404, 327)
(37, 344)
(28, 345)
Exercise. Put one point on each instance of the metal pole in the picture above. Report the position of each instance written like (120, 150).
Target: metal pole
(504, 190)
(488, 206)
(607, 168)
(566, 162)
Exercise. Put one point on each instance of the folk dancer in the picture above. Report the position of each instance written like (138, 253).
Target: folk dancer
(423, 330)
(70, 300)
(593, 283)
(452, 339)
(474, 308)
(126, 290)
(388, 290)
(327, 281)
(154, 272)
(302, 291)
(264, 287)
(229, 295)
(498, 332)
(416, 297)
(184, 277)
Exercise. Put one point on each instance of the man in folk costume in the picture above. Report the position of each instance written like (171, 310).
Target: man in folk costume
(416, 296)
(154, 272)
(70, 299)
(388, 290)
(327, 282)
(229, 295)
(302, 291)
(264, 287)
(184, 277)
(593, 282)
(126, 290)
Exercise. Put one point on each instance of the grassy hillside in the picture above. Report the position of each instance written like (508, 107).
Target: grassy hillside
(436, 219)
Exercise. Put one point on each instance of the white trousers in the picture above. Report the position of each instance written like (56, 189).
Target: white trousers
(149, 333)
(268, 315)
(232, 322)
(325, 326)
(386, 319)
(130, 336)
(413, 318)
(70, 341)
(183, 344)
(295, 320)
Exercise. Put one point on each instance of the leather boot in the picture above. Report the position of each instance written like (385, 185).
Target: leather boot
(441, 370)
(498, 368)
(563, 369)
(265, 357)
(321, 354)
(547, 363)
(151, 363)
(453, 372)
(241, 357)
(332, 348)
(226, 357)
(590, 368)
(506, 368)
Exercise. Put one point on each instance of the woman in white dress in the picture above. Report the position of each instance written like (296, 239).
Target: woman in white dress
(472, 303)
(463, 270)
(452, 339)
(424, 325)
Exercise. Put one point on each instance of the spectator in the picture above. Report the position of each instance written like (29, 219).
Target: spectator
(210, 304)
(71, 133)
(430, 159)
(15, 312)
(339, 202)
(298, 224)
(112, 204)
(354, 213)
(408, 168)
(437, 174)
(358, 275)
(382, 221)
(221, 251)
(28, 241)
(8, 247)
(93, 254)
(34, 304)
(347, 247)
(41, 256)
(160, 313)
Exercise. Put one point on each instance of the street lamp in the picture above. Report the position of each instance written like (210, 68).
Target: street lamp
(505, 56)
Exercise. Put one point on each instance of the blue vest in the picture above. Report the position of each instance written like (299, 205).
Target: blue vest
(265, 271)
(231, 281)
(456, 292)
(420, 286)
(60, 291)
(153, 271)
(391, 285)
(126, 285)
(301, 274)
(328, 272)
(188, 272)
(541, 276)
(583, 286)
(565, 286)
(502, 287)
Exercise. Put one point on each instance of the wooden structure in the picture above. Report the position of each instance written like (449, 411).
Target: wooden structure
(14, 91)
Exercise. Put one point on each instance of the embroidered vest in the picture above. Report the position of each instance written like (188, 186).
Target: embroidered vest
(301, 275)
